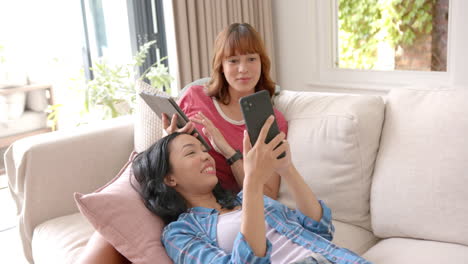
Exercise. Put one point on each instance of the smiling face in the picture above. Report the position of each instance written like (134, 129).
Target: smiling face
(193, 170)
(233, 42)
(242, 72)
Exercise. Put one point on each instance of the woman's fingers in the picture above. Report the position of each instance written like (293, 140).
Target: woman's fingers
(216, 138)
(199, 119)
(206, 132)
(196, 120)
(276, 140)
(169, 126)
(165, 120)
(208, 126)
(246, 143)
(281, 148)
(188, 128)
(264, 131)
(202, 119)
(173, 126)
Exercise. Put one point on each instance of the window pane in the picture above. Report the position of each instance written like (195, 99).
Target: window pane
(392, 34)
(108, 30)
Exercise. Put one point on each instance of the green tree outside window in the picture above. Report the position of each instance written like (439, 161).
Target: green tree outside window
(364, 24)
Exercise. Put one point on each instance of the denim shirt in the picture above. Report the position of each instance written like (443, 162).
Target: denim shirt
(192, 238)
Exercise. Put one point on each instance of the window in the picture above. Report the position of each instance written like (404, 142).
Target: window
(391, 34)
(147, 20)
(327, 75)
(116, 29)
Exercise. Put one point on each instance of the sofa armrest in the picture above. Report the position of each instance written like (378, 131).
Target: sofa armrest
(45, 170)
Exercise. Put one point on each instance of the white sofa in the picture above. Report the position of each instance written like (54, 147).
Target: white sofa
(395, 174)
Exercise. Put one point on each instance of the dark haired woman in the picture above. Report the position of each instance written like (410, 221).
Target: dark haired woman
(206, 225)
(240, 67)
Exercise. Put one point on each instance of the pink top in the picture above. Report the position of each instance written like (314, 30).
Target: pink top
(195, 100)
(283, 249)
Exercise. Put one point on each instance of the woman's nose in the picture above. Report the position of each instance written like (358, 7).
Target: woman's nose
(206, 156)
(242, 67)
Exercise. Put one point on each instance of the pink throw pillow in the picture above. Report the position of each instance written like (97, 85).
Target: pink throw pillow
(119, 215)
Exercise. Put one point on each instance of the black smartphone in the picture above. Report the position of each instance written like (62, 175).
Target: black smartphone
(256, 108)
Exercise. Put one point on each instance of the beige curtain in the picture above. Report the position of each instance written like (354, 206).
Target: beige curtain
(197, 23)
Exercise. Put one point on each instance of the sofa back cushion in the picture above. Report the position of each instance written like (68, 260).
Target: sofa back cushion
(421, 173)
(334, 141)
(148, 125)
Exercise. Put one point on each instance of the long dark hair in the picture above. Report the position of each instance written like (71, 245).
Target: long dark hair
(150, 167)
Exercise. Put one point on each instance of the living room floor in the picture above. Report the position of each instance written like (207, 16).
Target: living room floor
(10, 242)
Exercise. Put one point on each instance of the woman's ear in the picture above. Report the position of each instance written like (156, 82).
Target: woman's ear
(170, 181)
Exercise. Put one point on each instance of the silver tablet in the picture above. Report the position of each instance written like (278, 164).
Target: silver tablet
(164, 104)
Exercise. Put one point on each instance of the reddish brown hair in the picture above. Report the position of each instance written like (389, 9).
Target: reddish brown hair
(242, 39)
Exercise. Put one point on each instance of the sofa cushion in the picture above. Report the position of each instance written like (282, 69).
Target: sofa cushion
(354, 238)
(420, 179)
(28, 121)
(334, 142)
(36, 100)
(61, 240)
(12, 106)
(118, 213)
(148, 126)
(411, 251)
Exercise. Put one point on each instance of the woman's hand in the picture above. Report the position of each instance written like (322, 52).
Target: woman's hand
(172, 127)
(261, 160)
(213, 134)
(283, 167)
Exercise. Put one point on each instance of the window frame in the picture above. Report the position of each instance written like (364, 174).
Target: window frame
(147, 23)
(332, 78)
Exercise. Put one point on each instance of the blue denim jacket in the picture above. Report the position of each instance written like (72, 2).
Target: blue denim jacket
(192, 238)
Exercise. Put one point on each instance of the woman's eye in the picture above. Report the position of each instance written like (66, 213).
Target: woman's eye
(252, 59)
(190, 153)
(232, 61)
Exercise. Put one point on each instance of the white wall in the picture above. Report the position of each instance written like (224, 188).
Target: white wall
(298, 47)
(459, 44)
(294, 43)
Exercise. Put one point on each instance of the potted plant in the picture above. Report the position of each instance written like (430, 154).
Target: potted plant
(112, 92)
